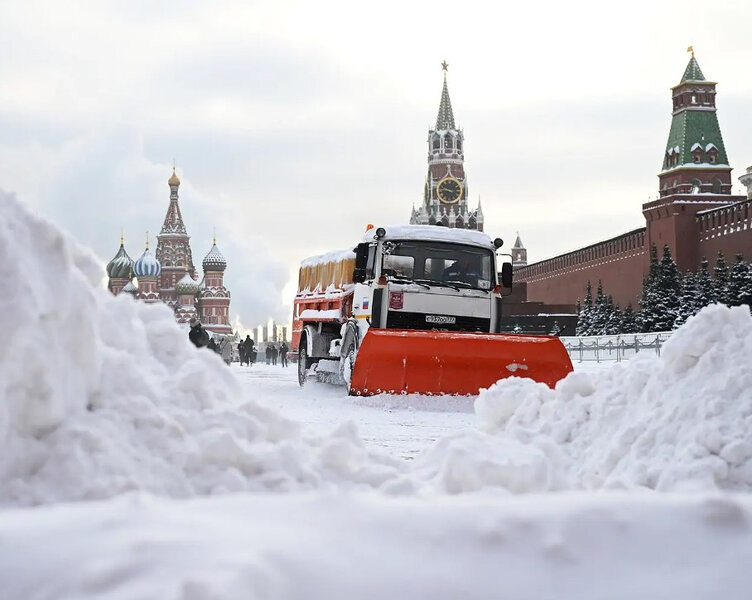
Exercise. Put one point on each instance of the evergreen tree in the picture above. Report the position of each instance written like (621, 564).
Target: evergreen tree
(584, 315)
(600, 312)
(721, 285)
(688, 300)
(613, 320)
(705, 288)
(648, 299)
(738, 283)
(668, 288)
(629, 320)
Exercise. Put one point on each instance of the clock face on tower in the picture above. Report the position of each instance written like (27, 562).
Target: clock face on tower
(449, 190)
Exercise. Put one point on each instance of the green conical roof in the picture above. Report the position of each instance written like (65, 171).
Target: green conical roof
(445, 119)
(692, 72)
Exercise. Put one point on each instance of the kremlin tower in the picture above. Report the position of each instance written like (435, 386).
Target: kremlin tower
(445, 191)
(169, 275)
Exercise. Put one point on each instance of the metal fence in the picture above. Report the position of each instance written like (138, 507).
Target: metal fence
(601, 348)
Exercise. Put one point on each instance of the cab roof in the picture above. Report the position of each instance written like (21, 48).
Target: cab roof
(432, 233)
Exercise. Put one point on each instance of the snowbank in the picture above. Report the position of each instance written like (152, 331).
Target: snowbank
(102, 394)
(681, 421)
(324, 546)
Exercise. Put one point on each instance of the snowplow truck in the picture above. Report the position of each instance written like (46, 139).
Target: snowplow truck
(414, 309)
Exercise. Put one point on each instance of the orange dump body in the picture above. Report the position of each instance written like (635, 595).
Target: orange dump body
(397, 361)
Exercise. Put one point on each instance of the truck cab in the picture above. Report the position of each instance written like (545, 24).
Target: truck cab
(414, 277)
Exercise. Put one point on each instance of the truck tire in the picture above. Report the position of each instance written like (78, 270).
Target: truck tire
(303, 361)
(347, 362)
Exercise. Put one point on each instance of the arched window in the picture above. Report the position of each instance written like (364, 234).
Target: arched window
(436, 143)
(695, 186)
(459, 144)
(716, 186)
(448, 142)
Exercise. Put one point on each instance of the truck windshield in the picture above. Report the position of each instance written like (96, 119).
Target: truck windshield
(439, 262)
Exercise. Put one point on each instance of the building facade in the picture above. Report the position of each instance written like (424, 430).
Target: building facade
(445, 191)
(695, 213)
(169, 275)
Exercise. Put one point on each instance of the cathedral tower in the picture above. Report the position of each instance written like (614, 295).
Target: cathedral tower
(214, 300)
(445, 190)
(173, 247)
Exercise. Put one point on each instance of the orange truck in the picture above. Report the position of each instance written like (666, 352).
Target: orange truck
(414, 309)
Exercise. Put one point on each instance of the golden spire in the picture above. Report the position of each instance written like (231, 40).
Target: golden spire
(444, 67)
(692, 50)
(147, 240)
(122, 236)
(214, 237)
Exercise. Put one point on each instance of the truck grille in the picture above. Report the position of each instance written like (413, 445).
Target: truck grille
(408, 320)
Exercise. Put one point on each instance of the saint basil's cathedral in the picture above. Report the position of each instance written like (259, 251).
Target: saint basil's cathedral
(170, 276)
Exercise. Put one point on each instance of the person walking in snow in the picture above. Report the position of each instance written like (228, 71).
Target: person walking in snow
(268, 353)
(249, 352)
(241, 352)
(197, 334)
(283, 353)
(274, 354)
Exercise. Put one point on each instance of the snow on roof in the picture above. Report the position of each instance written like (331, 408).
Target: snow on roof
(710, 146)
(433, 233)
(695, 146)
(329, 257)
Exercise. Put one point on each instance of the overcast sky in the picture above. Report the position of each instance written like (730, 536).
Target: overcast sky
(294, 124)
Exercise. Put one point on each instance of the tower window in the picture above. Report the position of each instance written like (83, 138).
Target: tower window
(694, 99)
(716, 186)
(695, 186)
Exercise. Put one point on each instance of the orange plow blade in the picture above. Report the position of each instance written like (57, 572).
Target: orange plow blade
(396, 361)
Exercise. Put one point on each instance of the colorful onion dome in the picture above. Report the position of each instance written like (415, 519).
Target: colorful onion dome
(214, 261)
(173, 180)
(187, 285)
(129, 288)
(147, 265)
(120, 266)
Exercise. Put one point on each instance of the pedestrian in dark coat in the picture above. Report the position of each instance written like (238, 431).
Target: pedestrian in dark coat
(283, 353)
(268, 353)
(198, 335)
(274, 354)
(249, 352)
(241, 352)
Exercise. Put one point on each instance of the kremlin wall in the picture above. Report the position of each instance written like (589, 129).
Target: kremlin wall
(695, 214)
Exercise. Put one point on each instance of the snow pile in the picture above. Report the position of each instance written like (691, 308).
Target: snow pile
(99, 395)
(575, 545)
(681, 421)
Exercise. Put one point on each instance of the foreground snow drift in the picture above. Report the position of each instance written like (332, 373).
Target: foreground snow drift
(99, 395)
(572, 545)
(681, 421)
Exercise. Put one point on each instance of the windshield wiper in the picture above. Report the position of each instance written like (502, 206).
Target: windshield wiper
(410, 280)
(463, 284)
(429, 282)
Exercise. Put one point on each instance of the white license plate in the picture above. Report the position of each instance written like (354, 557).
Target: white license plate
(441, 319)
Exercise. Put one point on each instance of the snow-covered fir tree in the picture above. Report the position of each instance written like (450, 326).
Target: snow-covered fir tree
(704, 286)
(648, 297)
(585, 314)
(600, 312)
(613, 317)
(688, 299)
(629, 320)
(738, 288)
(721, 277)
(669, 290)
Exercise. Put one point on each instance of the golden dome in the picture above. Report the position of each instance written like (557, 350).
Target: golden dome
(173, 180)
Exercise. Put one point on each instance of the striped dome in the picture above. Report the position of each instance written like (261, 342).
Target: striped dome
(129, 288)
(214, 261)
(120, 266)
(187, 285)
(147, 265)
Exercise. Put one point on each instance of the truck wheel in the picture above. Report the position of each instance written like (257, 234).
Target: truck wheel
(302, 360)
(347, 363)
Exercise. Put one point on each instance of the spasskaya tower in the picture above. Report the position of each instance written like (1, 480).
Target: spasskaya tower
(445, 191)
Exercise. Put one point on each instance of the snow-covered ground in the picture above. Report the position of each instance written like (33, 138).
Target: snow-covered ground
(133, 465)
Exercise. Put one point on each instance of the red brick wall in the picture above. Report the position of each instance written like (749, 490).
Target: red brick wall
(726, 229)
(620, 263)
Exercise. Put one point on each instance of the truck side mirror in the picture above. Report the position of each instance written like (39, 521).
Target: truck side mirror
(361, 262)
(506, 275)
